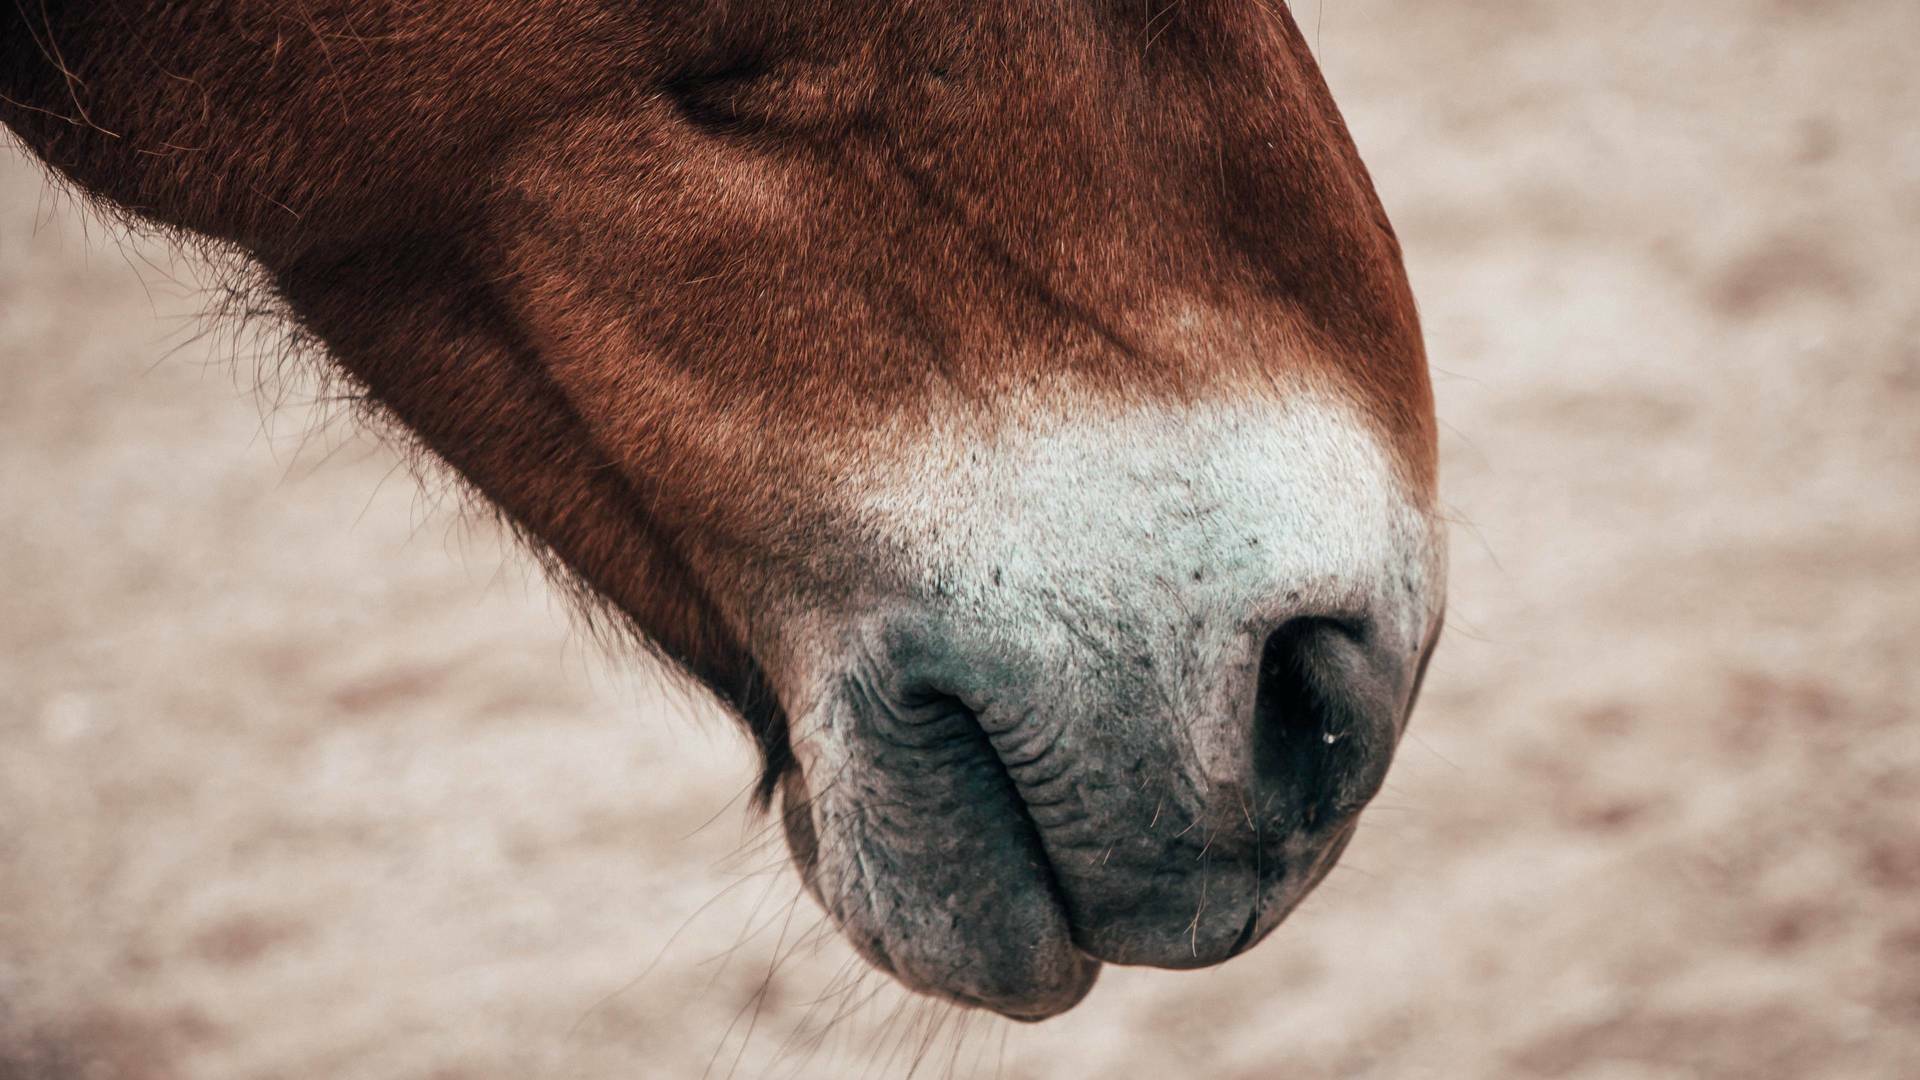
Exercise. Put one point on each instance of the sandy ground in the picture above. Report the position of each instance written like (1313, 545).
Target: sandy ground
(302, 776)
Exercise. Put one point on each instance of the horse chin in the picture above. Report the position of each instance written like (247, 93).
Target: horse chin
(950, 895)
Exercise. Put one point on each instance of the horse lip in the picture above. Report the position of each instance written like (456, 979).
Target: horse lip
(974, 911)
(1033, 1014)
(1054, 889)
(938, 763)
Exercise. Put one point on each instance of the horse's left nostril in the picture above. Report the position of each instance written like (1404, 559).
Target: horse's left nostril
(1322, 729)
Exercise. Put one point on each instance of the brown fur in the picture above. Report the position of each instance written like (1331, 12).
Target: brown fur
(640, 271)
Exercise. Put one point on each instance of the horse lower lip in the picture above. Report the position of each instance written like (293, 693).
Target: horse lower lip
(1042, 1003)
(924, 855)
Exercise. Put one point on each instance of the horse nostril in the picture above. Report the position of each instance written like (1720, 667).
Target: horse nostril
(1313, 735)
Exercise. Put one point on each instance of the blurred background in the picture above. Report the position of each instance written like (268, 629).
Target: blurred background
(305, 774)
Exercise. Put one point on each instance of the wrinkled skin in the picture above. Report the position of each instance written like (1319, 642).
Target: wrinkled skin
(1016, 412)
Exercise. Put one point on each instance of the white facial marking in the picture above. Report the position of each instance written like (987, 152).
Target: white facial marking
(1179, 534)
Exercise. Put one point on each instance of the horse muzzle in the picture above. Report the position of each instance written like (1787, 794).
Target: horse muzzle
(1124, 706)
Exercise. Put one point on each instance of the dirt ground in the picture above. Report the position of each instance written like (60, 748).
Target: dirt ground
(302, 775)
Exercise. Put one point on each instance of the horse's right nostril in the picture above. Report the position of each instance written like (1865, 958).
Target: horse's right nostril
(1322, 730)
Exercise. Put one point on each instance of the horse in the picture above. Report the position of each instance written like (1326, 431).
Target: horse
(1016, 413)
